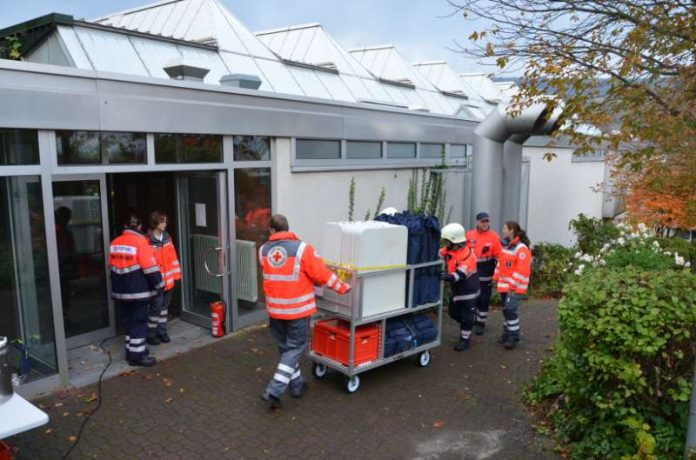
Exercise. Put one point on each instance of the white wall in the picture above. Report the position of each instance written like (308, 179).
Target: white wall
(560, 190)
(309, 199)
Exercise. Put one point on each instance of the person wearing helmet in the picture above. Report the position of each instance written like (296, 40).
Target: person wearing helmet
(390, 211)
(460, 272)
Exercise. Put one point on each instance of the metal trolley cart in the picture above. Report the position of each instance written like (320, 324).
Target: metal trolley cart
(350, 308)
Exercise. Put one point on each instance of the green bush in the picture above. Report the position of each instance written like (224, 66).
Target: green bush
(686, 249)
(549, 269)
(620, 378)
(592, 233)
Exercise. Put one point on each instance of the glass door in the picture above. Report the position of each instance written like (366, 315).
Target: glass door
(203, 244)
(79, 207)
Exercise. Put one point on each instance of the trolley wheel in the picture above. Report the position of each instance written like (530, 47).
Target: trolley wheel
(352, 384)
(319, 370)
(424, 358)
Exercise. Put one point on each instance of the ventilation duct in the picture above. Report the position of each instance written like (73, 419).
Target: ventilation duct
(180, 69)
(240, 80)
(497, 162)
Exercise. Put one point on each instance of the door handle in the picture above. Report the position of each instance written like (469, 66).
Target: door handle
(205, 261)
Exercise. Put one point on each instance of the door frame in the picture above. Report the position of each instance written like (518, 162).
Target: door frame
(223, 241)
(110, 330)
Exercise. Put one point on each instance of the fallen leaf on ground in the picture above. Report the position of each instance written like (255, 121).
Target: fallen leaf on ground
(91, 398)
(65, 414)
(148, 377)
(168, 400)
(58, 404)
(72, 438)
(48, 431)
(438, 423)
(166, 381)
(181, 390)
(127, 373)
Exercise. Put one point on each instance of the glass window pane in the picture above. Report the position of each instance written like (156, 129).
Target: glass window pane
(457, 151)
(252, 197)
(252, 148)
(188, 148)
(401, 150)
(431, 150)
(26, 316)
(308, 149)
(78, 147)
(77, 211)
(19, 147)
(364, 150)
(124, 147)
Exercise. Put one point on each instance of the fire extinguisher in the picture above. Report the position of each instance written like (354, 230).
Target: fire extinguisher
(217, 318)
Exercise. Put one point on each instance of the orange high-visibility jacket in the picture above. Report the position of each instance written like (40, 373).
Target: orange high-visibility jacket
(135, 275)
(168, 262)
(291, 268)
(514, 267)
(461, 263)
(487, 247)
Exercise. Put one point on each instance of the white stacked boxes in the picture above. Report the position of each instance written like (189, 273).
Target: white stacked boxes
(367, 247)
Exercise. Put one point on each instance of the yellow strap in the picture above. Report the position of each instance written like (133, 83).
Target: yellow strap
(367, 269)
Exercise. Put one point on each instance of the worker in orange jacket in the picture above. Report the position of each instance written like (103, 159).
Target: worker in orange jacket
(135, 279)
(291, 268)
(486, 245)
(512, 279)
(461, 273)
(169, 266)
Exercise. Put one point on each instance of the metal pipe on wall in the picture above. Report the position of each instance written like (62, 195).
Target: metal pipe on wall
(497, 163)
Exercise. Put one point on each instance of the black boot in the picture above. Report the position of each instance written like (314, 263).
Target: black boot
(479, 329)
(511, 343)
(462, 345)
(299, 394)
(164, 337)
(152, 338)
(145, 361)
(272, 401)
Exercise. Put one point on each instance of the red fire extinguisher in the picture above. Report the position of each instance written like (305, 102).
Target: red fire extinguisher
(217, 318)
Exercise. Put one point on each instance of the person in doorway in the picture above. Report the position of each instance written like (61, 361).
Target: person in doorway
(460, 272)
(485, 243)
(165, 254)
(512, 279)
(135, 280)
(291, 268)
(67, 261)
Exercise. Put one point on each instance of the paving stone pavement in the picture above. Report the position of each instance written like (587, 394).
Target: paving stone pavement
(205, 405)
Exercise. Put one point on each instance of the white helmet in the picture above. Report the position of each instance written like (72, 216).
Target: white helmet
(389, 211)
(454, 233)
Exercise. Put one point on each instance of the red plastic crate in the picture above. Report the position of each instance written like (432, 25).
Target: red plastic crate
(331, 339)
(5, 451)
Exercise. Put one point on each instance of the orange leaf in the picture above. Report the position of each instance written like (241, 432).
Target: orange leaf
(72, 438)
(438, 423)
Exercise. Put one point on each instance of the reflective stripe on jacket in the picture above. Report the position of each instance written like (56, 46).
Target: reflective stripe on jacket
(487, 247)
(291, 268)
(461, 263)
(168, 262)
(514, 267)
(135, 275)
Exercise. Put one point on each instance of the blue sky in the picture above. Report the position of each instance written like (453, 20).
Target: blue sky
(419, 28)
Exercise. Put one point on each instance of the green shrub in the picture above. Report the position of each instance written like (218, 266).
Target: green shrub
(621, 373)
(687, 249)
(549, 269)
(592, 233)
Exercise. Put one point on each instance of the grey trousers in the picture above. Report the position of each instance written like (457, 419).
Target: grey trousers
(291, 338)
(158, 313)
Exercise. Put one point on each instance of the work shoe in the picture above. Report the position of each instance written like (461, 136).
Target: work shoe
(503, 338)
(164, 338)
(153, 340)
(272, 401)
(299, 394)
(479, 329)
(462, 345)
(511, 343)
(145, 361)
